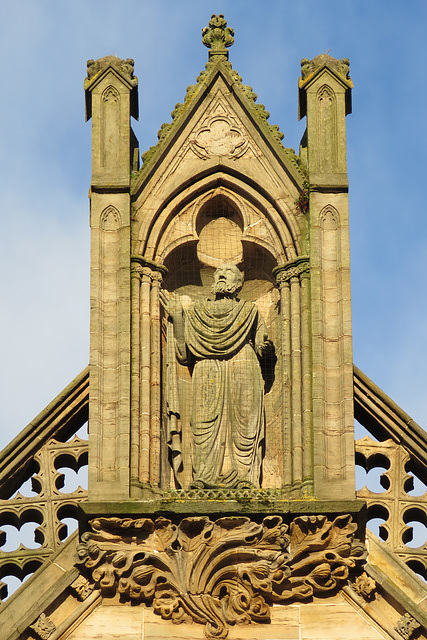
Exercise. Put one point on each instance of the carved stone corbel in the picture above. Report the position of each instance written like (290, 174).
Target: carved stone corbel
(43, 627)
(219, 573)
(407, 626)
(81, 587)
(365, 586)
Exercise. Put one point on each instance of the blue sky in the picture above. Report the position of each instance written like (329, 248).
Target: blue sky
(45, 163)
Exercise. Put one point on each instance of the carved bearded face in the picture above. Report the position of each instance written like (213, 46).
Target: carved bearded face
(228, 280)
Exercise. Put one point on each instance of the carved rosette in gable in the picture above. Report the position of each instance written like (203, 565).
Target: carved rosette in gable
(221, 134)
(219, 137)
(219, 573)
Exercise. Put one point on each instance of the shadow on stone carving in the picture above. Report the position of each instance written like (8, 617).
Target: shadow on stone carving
(219, 573)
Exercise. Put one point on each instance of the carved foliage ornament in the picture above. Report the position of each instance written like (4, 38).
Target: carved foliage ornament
(407, 626)
(365, 586)
(43, 627)
(219, 573)
(82, 588)
(285, 272)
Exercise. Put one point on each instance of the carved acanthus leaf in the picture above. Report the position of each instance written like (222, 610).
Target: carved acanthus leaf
(219, 573)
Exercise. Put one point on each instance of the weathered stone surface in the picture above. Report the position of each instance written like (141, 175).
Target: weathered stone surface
(43, 627)
(219, 573)
(217, 36)
(221, 339)
(291, 622)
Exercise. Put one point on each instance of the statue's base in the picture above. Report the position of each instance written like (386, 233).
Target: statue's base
(178, 504)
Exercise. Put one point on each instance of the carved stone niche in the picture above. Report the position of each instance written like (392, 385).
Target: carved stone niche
(222, 231)
(219, 573)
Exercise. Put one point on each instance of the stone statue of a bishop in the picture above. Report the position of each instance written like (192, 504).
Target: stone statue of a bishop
(225, 337)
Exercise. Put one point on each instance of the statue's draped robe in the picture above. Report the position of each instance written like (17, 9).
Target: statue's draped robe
(227, 417)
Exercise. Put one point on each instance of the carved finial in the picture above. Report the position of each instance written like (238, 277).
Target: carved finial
(125, 68)
(217, 36)
(309, 67)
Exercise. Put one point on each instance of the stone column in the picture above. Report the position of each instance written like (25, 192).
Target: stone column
(296, 398)
(286, 374)
(146, 375)
(111, 99)
(325, 98)
(135, 453)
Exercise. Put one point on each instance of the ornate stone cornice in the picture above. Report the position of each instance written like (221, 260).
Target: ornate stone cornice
(294, 268)
(219, 573)
(217, 36)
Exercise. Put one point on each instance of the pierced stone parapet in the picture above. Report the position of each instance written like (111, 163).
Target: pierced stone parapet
(399, 450)
(222, 572)
(392, 502)
(44, 454)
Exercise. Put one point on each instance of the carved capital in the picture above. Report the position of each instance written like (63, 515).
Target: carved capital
(157, 277)
(284, 272)
(218, 573)
(150, 264)
(137, 270)
(406, 626)
(217, 36)
(43, 627)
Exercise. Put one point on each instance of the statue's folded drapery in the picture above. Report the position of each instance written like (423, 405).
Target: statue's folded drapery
(227, 417)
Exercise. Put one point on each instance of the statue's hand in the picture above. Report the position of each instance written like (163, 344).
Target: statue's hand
(265, 348)
(171, 304)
